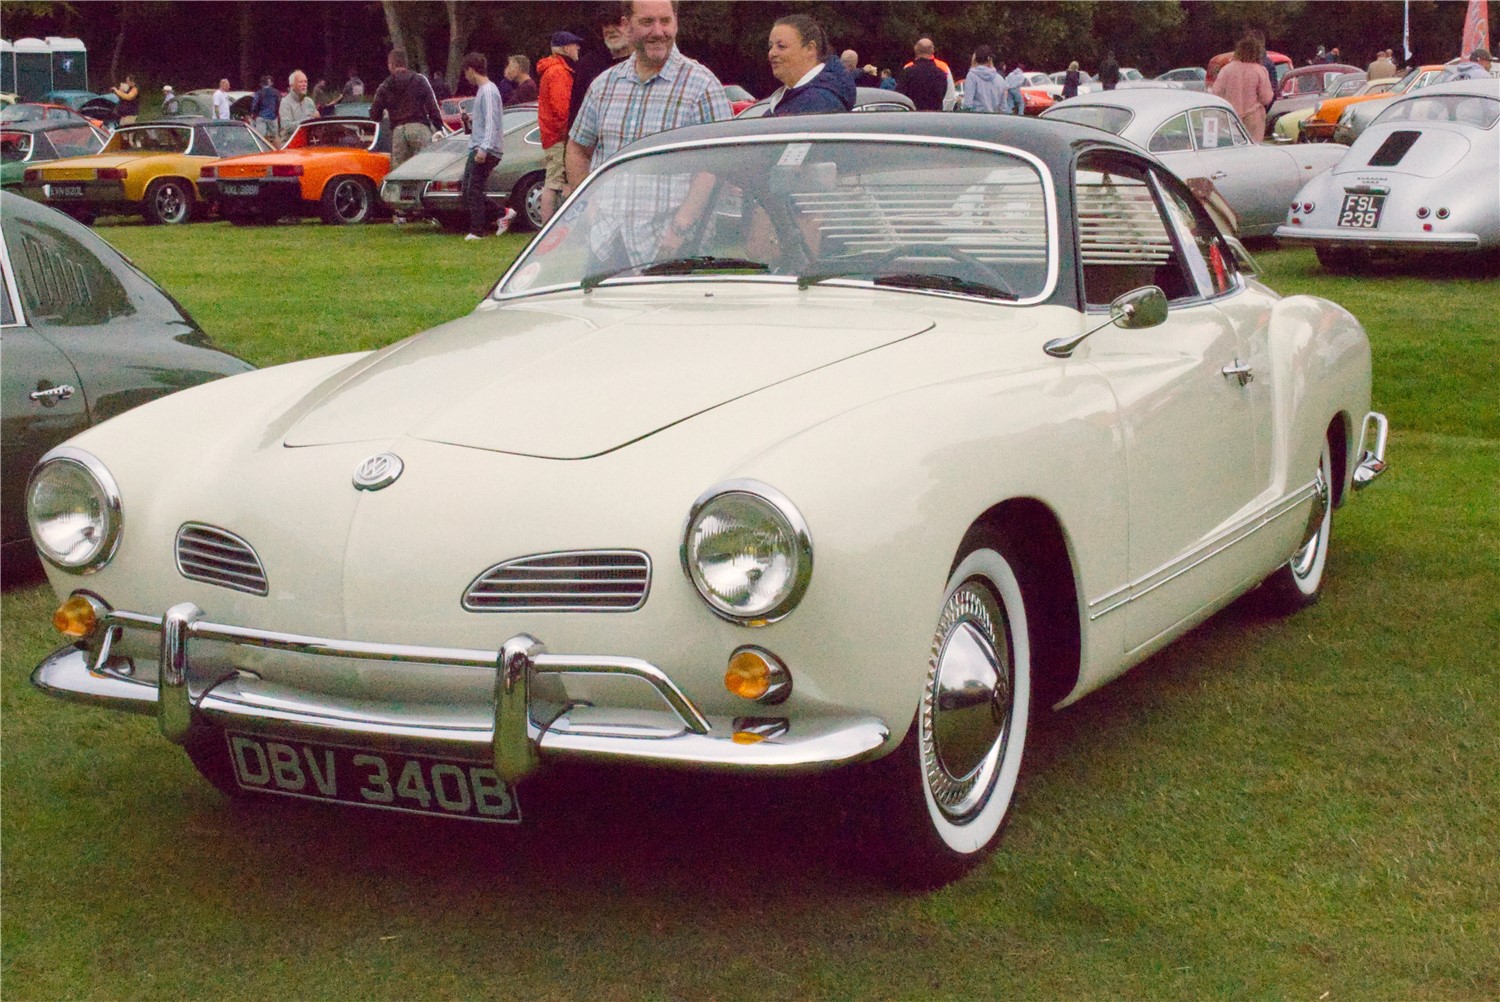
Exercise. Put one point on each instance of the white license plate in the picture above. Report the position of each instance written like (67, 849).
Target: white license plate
(67, 191)
(1361, 212)
(240, 189)
(392, 781)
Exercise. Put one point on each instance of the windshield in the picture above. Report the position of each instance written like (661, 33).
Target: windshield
(1098, 116)
(1466, 109)
(151, 140)
(944, 218)
(348, 135)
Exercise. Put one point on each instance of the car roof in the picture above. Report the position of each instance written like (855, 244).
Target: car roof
(1160, 103)
(46, 124)
(1052, 141)
(1475, 88)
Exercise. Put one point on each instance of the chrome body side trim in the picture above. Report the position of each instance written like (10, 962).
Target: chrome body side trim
(520, 732)
(1123, 596)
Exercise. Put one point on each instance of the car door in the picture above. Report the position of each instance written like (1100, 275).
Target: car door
(40, 402)
(1189, 430)
(1258, 181)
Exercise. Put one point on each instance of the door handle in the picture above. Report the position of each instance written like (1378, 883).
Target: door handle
(1218, 175)
(1239, 370)
(52, 395)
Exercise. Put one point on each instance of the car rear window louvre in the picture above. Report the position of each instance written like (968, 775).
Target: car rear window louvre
(1393, 149)
(574, 581)
(219, 557)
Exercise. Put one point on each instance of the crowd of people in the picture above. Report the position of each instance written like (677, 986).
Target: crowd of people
(638, 82)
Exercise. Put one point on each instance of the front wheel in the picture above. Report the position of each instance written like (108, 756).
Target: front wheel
(947, 790)
(346, 201)
(1298, 583)
(169, 201)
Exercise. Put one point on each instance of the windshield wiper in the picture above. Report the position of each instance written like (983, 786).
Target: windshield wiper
(677, 266)
(944, 283)
(917, 280)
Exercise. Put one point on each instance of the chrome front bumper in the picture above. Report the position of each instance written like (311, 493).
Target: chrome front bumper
(523, 729)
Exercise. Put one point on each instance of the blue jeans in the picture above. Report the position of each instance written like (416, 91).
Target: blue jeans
(476, 176)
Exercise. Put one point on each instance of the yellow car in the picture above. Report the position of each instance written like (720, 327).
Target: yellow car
(150, 170)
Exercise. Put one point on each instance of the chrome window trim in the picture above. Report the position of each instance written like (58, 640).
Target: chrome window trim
(1049, 205)
(788, 511)
(12, 290)
(112, 501)
(1173, 569)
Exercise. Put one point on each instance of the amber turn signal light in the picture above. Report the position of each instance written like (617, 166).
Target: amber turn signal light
(754, 673)
(76, 618)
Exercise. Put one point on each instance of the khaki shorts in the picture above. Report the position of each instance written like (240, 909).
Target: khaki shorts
(557, 171)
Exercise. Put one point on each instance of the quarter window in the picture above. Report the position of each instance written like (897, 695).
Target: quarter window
(61, 282)
(1173, 137)
(1207, 256)
(1213, 128)
(1123, 239)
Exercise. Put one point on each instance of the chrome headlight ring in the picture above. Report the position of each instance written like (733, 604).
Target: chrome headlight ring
(96, 501)
(748, 552)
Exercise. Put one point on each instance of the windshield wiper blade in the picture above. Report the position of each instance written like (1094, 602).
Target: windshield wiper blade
(677, 266)
(704, 262)
(944, 283)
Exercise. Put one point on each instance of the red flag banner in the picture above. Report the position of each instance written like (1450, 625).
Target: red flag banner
(1476, 28)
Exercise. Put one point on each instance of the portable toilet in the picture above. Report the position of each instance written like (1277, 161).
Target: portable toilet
(70, 63)
(7, 67)
(33, 68)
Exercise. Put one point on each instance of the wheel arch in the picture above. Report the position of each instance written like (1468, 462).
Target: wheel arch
(1339, 433)
(1050, 588)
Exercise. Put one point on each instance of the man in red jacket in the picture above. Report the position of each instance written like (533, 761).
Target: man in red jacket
(553, 97)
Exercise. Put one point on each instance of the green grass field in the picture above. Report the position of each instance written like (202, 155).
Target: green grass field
(1298, 809)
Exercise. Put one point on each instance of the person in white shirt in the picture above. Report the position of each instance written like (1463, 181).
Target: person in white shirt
(222, 100)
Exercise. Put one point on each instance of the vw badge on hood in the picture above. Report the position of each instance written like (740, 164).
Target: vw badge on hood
(378, 471)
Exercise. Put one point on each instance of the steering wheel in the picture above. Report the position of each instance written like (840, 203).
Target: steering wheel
(985, 271)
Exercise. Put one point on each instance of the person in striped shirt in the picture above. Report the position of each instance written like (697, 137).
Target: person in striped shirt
(657, 89)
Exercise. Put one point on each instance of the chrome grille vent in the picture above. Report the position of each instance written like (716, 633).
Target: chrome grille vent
(205, 553)
(575, 581)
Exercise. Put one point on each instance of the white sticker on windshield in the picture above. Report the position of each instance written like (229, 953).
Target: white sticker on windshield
(525, 277)
(794, 154)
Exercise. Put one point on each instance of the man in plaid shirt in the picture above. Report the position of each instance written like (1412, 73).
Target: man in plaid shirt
(657, 89)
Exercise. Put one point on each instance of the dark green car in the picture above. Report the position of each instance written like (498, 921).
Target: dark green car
(85, 335)
(23, 144)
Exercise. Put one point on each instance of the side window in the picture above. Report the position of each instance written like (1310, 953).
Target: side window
(1123, 239)
(61, 281)
(1213, 128)
(1173, 137)
(1208, 256)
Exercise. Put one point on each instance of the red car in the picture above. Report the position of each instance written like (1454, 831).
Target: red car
(454, 109)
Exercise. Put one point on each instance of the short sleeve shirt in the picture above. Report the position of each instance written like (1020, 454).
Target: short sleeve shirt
(620, 107)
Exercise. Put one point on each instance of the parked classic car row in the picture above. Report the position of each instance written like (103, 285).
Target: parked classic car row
(934, 421)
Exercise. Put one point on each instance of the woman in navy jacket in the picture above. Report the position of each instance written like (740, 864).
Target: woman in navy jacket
(813, 80)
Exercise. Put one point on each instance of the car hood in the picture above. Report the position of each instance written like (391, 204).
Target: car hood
(578, 376)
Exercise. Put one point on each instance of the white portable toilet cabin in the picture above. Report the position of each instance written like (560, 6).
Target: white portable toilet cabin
(7, 67)
(33, 68)
(70, 63)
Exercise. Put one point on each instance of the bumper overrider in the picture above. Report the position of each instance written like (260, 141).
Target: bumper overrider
(524, 728)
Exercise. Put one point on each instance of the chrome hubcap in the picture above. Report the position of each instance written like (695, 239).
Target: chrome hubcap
(534, 205)
(968, 702)
(349, 200)
(169, 202)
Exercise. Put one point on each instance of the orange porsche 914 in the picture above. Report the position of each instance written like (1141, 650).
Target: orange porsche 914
(331, 167)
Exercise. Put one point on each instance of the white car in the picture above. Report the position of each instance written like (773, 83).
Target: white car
(1199, 136)
(1421, 177)
(954, 418)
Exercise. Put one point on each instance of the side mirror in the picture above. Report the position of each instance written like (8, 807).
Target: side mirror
(1132, 311)
(1139, 309)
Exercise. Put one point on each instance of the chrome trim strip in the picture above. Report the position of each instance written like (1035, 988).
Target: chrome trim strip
(1168, 572)
(1049, 199)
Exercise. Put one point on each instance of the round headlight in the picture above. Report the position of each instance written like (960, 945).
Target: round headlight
(73, 509)
(748, 552)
